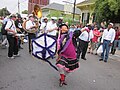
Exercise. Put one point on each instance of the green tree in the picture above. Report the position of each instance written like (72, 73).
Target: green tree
(67, 17)
(4, 12)
(107, 10)
(25, 12)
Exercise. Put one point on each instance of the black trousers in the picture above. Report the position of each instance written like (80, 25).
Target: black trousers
(82, 48)
(30, 37)
(13, 45)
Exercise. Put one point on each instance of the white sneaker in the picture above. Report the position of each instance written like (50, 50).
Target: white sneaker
(11, 57)
(16, 55)
(25, 41)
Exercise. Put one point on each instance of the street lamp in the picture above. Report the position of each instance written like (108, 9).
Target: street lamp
(74, 4)
(18, 6)
(74, 10)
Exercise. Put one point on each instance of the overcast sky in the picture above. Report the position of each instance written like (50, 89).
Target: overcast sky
(12, 5)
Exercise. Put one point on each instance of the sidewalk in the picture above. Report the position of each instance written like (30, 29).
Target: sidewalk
(116, 56)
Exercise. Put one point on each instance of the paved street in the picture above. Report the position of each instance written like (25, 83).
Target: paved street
(28, 73)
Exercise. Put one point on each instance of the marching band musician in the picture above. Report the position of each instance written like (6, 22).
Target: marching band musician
(52, 30)
(20, 30)
(44, 25)
(11, 37)
(31, 29)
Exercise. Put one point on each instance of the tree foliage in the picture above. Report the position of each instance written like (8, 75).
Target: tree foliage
(107, 10)
(67, 17)
(25, 12)
(4, 12)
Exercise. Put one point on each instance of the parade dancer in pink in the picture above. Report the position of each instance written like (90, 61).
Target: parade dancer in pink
(67, 57)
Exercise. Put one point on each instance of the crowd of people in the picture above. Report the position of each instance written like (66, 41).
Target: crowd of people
(73, 42)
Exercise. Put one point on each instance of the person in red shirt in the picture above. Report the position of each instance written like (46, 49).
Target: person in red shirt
(116, 41)
(94, 40)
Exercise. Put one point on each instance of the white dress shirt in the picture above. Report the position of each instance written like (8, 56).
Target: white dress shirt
(85, 36)
(52, 26)
(8, 25)
(91, 35)
(44, 26)
(108, 35)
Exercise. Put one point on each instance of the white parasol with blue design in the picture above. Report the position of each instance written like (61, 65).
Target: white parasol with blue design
(44, 47)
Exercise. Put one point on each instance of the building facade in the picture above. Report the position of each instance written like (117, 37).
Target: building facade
(41, 3)
(87, 9)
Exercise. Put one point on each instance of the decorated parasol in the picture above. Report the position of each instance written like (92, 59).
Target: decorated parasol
(44, 47)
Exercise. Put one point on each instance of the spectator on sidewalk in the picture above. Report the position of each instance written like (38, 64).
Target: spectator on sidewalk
(0, 32)
(107, 40)
(94, 40)
(116, 41)
(84, 40)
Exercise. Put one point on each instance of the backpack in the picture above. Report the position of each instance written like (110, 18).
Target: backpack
(3, 31)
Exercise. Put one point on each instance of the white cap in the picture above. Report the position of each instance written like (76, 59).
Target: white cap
(55, 18)
(13, 15)
(60, 17)
(88, 24)
(111, 24)
(30, 15)
(45, 18)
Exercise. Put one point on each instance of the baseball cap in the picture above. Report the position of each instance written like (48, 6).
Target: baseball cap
(111, 24)
(60, 17)
(13, 15)
(54, 18)
(30, 15)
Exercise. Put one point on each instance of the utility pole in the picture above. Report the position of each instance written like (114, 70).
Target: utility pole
(74, 10)
(18, 7)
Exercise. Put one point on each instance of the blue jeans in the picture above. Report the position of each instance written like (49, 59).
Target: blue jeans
(118, 44)
(115, 44)
(106, 49)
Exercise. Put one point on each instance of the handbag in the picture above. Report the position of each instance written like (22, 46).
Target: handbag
(100, 49)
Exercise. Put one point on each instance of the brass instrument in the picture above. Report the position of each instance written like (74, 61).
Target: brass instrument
(37, 11)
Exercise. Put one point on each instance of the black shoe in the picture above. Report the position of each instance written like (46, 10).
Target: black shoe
(101, 59)
(29, 52)
(77, 58)
(95, 53)
(84, 58)
(105, 61)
